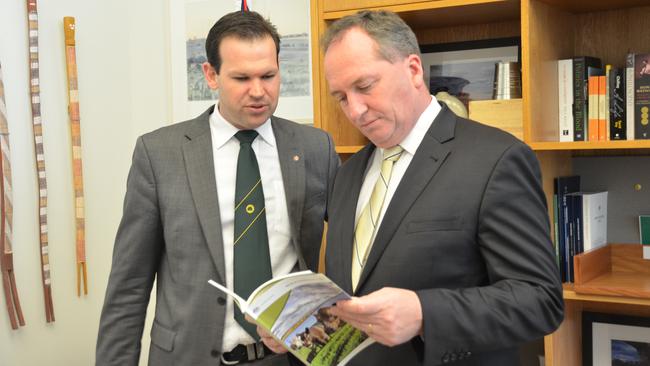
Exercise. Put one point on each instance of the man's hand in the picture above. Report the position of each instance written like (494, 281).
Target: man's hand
(268, 340)
(391, 316)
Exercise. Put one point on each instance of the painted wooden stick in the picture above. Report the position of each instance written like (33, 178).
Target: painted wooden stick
(32, 15)
(6, 206)
(75, 132)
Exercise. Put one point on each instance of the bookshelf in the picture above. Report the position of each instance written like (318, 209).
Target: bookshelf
(549, 30)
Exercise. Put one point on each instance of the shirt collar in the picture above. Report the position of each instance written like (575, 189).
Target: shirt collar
(412, 141)
(224, 130)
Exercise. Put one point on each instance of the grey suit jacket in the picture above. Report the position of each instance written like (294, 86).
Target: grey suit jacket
(171, 232)
(467, 230)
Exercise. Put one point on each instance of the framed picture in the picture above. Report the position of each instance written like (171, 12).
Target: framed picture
(466, 69)
(191, 20)
(613, 340)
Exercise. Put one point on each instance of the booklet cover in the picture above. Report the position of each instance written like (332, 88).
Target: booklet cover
(294, 309)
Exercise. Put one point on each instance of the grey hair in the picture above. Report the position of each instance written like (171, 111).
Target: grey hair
(395, 39)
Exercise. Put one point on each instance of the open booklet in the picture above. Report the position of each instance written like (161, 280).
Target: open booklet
(294, 309)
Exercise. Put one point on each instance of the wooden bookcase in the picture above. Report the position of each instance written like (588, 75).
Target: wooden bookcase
(549, 30)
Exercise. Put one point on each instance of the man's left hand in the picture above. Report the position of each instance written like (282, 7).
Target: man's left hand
(391, 316)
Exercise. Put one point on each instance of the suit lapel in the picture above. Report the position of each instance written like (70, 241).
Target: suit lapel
(428, 158)
(292, 164)
(199, 166)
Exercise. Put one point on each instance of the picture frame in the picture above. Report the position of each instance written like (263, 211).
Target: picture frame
(466, 69)
(189, 24)
(612, 339)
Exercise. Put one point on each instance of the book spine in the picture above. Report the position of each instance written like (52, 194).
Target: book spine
(602, 109)
(592, 127)
(579, 107)
(642, 97)
(618, 129)
(629, 95)
(565, 100)
(605, 109)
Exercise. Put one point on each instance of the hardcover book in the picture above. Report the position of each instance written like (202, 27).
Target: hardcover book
(294, 310)
(594, 211)
(564, 186)
(644, 234)
(618, 123)
(583, 67)
(629, 95)
(565, 99)
(642, 96)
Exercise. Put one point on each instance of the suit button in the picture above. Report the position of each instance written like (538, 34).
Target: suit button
(445, 358)
(221, 301)
(468, 354)
(214, 353)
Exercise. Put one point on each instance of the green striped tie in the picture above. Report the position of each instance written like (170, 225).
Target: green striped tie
(367, 223)
(252, 262)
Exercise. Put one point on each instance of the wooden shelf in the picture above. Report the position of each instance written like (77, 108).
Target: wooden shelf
(432, 14)
(587, 6)
(571, 295)
(589, 145)
(613, 270)
(348, 149)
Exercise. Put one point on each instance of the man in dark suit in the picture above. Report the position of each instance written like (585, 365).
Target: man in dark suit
(179, 212)
(439, 226)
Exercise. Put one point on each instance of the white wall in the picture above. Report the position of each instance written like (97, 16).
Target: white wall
(122, 57)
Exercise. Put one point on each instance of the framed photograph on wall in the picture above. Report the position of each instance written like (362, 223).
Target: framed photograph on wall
(191, 20)
(615, 340)
(466, 69)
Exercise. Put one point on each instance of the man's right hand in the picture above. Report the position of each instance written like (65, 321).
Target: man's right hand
(270, 342)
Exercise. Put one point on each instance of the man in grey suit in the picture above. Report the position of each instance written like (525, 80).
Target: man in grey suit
(178, 218)
(455, 264)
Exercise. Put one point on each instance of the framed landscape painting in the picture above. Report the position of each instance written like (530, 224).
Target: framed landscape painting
(615, 340)
(191, 20)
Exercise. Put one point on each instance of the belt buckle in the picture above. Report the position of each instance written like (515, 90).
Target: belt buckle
(254, 351)
(226, 362)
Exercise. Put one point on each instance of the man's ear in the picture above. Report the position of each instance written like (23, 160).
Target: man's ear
(210, 75)
(415, 70)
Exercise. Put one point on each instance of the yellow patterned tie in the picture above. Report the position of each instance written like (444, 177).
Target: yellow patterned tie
(367, 224)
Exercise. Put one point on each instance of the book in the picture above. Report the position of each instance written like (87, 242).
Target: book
(294, 309)
(644, 234)
(594, 212)
(583, 67)
(629, 95)
(592, 126)
(642, 96)
(605, 105)
(618, 122)
(563, 186)
(565, 99)
(603, 126)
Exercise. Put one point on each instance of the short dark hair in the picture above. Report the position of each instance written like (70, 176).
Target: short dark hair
(244, 25)
(395, 39)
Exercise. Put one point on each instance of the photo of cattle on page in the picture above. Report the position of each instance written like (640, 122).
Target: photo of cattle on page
(294, 309)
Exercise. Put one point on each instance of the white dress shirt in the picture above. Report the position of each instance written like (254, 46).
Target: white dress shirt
(225, 149)
(410, 145)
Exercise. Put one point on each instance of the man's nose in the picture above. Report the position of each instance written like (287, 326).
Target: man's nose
(356, 108)
(256, 89)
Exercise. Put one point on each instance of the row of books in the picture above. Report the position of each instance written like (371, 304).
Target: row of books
(580, 222)
(599, 103)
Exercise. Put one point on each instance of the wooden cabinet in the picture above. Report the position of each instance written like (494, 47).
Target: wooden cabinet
(549, 30)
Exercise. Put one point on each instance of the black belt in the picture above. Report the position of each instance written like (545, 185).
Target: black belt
(244, 353)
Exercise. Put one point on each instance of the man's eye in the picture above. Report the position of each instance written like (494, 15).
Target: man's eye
(240, 78)
(269, 76)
